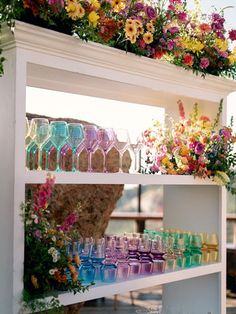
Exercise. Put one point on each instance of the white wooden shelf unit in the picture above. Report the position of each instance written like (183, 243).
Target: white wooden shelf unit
(46, 59)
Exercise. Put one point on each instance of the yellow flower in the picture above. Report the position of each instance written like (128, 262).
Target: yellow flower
(118, 5)
(150, 27)
(34, 281)
(132, 39)
(232, 56)
(184, 151)
(222, 44)
(197, 46)
(93, 18)
(165, 161)
(95, 4)
(148, 38)
(130, 28)
(74, 9)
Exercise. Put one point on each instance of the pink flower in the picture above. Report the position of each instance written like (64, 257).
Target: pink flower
(141, 43)
(226, 133)
(232, 34)
(181, 110)
(170, 45)
(38, 234)
(56, 2)
(204, 63)
(173, 29)
(182, 16)
(69, 222)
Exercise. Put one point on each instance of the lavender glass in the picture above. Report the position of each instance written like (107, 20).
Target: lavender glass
(90, 141)
(106, 138)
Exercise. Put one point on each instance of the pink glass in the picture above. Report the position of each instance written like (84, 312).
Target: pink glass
(91, 141)
(122, 142)
(106, 138)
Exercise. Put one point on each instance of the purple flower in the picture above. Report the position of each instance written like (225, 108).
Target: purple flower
(204, 63)
(173, 29)
(220, 35)
(170, 45)
(151, 13)
(141, 43)
(199, 148)
(217, 22)
(223, 54)
(139, 6)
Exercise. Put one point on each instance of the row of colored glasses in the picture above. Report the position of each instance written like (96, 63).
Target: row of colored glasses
(43, 137)
(121, 257)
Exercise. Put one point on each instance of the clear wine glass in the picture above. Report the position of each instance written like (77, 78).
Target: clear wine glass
(40, 129)
(58, 136)
(106, 138)
(122, 143)
(75, 138)
(137, 143)
(91, 141)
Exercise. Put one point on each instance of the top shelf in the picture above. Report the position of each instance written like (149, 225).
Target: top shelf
(60, 62)
(33, 177)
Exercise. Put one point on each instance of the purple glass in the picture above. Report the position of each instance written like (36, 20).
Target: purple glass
(158, 264)
(146, 266)
(134, 267)
(90, 141)
(144, 245)
(157, 253)
(133, 243)
(106, 138)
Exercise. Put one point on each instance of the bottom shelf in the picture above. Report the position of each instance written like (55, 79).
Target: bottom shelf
(100, 290)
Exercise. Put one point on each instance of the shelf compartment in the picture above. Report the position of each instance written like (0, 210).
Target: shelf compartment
(106, 290)
(33, 177)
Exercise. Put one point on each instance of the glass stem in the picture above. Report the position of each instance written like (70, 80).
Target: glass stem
(74, 159)
(58, 160)
(104, 161)
(39, 158)
(120, 162)
(90, 161)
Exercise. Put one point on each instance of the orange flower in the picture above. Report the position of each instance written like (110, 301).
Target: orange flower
(34, 281)
(204, 28)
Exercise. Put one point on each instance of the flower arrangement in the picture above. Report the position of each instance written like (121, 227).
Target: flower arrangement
(193, 146)
(47, 267)
(164, 29)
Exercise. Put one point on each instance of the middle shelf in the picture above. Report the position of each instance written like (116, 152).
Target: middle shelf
(33, 177)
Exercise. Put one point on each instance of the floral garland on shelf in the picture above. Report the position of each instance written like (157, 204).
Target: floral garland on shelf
(48, 268)
(193, 146)
(164, 29)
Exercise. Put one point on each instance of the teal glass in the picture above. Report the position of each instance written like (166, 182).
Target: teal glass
(58, 136)
(75, 138)
(196, 248)
(30, 158)
(40, 131)
(47, 148)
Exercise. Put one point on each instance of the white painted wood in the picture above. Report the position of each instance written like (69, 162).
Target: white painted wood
(115, 178)
(43, 58)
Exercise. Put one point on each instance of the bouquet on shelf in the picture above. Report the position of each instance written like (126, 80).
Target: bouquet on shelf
(164, 29)
(47, 266)
(194, 145)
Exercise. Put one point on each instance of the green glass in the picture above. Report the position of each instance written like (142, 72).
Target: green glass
(75, 138)
(58, 136)
(40, 131)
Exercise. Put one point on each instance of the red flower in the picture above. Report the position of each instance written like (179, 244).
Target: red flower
(159, 53)
(188, 59)
(232, 34)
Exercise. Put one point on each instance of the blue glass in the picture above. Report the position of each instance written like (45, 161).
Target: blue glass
(84, 249)
(108, 272)
(97, 269)
(86, 272)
